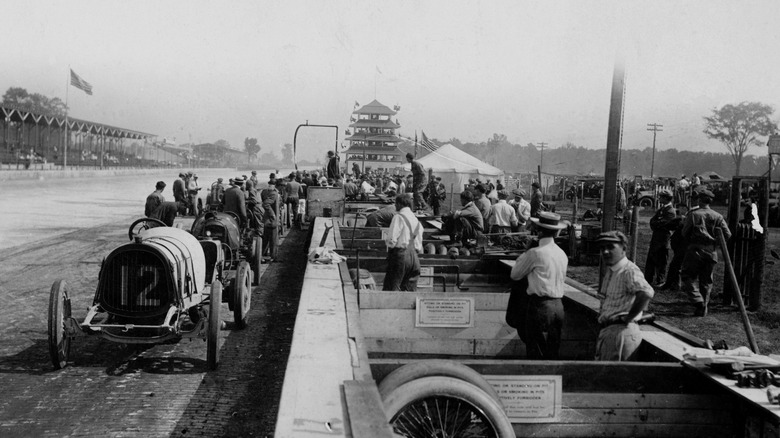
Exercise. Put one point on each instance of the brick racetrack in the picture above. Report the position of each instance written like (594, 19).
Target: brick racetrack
(110, 389)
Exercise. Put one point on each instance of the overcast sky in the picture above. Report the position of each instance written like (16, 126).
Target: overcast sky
(534, 71)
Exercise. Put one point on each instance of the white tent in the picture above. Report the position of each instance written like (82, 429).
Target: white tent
(456, 167)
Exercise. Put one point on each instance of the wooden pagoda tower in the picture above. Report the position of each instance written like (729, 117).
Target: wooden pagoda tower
(373, 142)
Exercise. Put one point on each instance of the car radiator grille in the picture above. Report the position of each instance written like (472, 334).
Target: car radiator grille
(135, 283)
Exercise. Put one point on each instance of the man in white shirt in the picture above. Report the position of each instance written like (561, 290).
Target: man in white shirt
(502, 217)
(404, 242)
(522, 206)
(545, 266)
(626, 295)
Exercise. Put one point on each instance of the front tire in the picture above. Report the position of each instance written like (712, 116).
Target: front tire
(212, 337)
(646, 202)
(59, 314)
(444, 406)
(435, 367)
(242, 298)
(258, 259)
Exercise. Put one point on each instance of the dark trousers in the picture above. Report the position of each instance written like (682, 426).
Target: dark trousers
(543, 325)
(419, 202)
(697, 265)
(464, 230)
(271, 241)
(293, 216)
(403, 270)
(656, 264)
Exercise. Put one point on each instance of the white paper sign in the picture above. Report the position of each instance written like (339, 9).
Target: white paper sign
(426, 277)
(529, 399)
(444, 312)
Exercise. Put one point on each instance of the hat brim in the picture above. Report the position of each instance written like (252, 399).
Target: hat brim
(537, 223)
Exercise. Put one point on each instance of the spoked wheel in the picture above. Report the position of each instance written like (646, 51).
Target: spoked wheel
(59, 313)
(646, 202)
(445, 407)
(143, 224)
(434, 367)
(212, 337)
(258, 259)
(242, 297)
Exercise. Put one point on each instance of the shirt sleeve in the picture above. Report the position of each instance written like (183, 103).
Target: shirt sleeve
(523, 265)
(394, 233)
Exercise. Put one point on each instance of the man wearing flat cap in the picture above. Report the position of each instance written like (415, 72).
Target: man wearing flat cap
(662, 224)
(701, 256)
(545, 267)
(626, 295)
(522, 206)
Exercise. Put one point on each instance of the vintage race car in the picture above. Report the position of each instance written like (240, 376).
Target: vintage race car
(164, 285)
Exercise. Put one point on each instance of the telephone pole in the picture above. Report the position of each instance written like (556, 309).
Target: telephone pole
(541, 159)
(655, 127)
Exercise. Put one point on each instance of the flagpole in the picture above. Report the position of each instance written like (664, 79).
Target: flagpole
(67, 134)
(415, 143)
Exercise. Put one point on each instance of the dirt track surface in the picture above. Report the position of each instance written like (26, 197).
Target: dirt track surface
(113, 390)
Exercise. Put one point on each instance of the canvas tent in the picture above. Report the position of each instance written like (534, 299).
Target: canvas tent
(456, 167)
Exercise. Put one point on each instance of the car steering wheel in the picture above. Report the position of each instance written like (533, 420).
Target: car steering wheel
(143, 224)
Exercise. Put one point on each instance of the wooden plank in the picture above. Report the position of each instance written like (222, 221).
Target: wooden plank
(488, 324)
(605, 400)
(646, 416)
(360, 363)
(586, 376)
(320, 358)
(365, 410)
(407, 300)
(506, 348)
(619, 430)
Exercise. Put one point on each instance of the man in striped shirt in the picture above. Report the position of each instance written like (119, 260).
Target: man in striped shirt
(626, 294)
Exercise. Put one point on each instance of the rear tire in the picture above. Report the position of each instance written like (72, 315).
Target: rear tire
(646, 202)
(242, 298)
(59, 314)
(212, 337)
(444, 406)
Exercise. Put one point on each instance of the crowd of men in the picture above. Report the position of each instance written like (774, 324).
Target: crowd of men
(692, 238)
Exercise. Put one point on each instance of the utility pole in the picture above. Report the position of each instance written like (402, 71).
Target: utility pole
(541, 159)
(655, 127)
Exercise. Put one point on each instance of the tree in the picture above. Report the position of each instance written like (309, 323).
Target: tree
(287, 153)
(251, 147)
(35, 102)
(739, 126)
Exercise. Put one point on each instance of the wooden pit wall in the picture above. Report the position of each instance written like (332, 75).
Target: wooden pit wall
(328, 388)
(618, 399)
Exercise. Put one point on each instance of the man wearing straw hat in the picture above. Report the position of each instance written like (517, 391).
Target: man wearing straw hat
(545, 266)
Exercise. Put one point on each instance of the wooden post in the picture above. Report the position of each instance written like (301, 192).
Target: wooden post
(539, 175)
(613, 146)
(737, 294)
(452, 194)
(634, 232)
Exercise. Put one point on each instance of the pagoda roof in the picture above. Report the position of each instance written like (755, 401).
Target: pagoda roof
(374, 108)
(367, 123)
(367, 136)
(384, 150)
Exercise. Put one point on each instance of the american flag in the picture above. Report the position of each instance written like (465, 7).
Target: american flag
(79, 83)
(427, 144)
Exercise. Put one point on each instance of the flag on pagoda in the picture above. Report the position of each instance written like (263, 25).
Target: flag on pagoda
(396, 108)
(79, 83)
(427, 144)
(356, 103)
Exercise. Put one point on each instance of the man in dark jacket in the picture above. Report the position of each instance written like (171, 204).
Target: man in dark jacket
(333, 166)
(701, 256)
(678, 244)
(662, 225)
(155, 199)
(419, 181)
(536, 200)
(180, 194)
(235, 200)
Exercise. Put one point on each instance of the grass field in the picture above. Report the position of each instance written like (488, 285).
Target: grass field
(722, 322)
